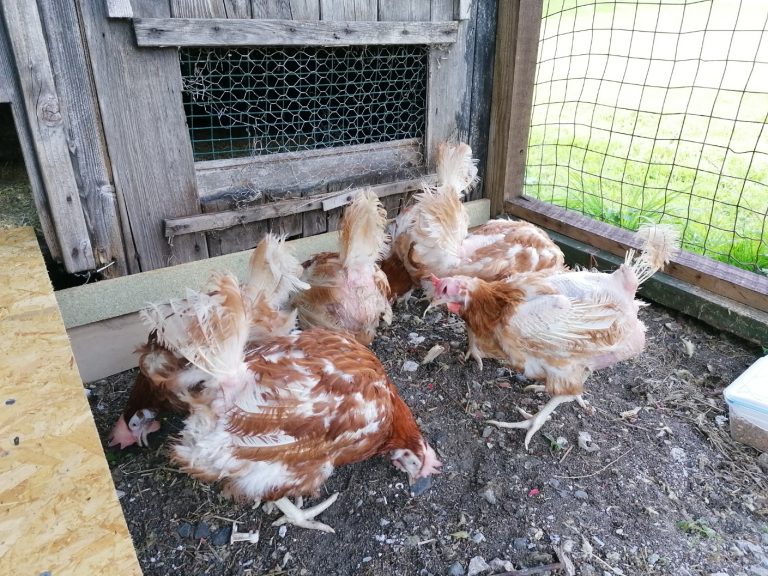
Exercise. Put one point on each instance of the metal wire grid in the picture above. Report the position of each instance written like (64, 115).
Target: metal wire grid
(656, 111)
(262, 100)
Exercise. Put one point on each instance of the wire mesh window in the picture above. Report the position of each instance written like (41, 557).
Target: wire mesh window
(263, 100)
(656, 111)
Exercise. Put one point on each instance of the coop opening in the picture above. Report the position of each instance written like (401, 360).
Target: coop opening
(254, 101)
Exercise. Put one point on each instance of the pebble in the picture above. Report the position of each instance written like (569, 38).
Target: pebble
(588, 570)
(747, 546)
(764, 538)
(202, 531)
(758, 570)
(520, 543)
(221, 536)
(613, 557)
(499, 565)
(653, 558)
(478, 537)
(477, 565)
(580, 494)
(487, 431)
(456, 569)
(762, 461)
(490, 496)
(10, 401)
(678, 454)
(410, 366)
(718, 574)
(185, 530)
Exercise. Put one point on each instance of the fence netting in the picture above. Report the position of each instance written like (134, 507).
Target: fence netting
(656, 111)
(261, 100)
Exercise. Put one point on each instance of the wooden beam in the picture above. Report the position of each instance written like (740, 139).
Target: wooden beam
(517, 42)
(60, 512)
(161, 32)
(722, 313)
(146, 133)
(305, 172)
(85, 136)
(49, 134)
(721, 279)
(119, 8)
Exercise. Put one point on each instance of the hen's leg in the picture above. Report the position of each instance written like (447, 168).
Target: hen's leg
(534, 423)
(473, 351)
(292, 514)
(585, 405)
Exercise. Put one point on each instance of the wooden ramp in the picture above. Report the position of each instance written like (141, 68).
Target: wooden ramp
(58, 510)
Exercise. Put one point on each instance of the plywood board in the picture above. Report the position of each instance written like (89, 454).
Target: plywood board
(59, 513)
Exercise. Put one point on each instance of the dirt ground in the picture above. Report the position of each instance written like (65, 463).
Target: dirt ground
(665, 491)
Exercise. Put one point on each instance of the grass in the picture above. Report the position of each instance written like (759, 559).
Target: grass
(627, 133)
(696, 528)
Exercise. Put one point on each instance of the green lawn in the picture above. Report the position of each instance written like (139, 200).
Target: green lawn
(671, 127)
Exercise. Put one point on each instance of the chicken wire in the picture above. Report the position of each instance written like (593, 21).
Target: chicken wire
(656, 111)
(262, 100)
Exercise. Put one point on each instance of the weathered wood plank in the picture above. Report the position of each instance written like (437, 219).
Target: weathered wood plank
(119, 9)
(481, 86)
(448, 85)
(349, 10)
(159, 32)
(236, 238)
(46, 123)
(722, 313)
(237, 8)
(464, 9)
(198, 9)
(405, 10)
(13, 95)
(304, 172)
(146, 133)
(283, 208)
(497, 166)
(87, 149)
(722, 279)
(60, 511)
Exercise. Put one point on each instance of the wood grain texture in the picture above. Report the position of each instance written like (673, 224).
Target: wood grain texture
(45, 119)
(119, 9)
(159, 32)
(284, 208)
(405, 10)
(349, 10)
(235, 238)
(60, 513)
(497, 166)
(722, 279)
(304, 172)
(87, 149)
(146, 133)
(13, 95)
(211, 8)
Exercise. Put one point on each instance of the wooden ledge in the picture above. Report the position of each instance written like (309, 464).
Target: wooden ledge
(58, 507)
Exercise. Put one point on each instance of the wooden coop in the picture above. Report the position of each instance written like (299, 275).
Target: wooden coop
(163, 139)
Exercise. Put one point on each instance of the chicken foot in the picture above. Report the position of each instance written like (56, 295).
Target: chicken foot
(293, 514)
(533, 423)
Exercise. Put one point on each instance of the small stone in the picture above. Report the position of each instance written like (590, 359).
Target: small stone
(202, 531)
(520, 543)
(410, 366)
(678, 454)
(718, 574)
(478, 537)
(747, 546)
(477, 565)
(588, 570)
(185, 530)
(490, 496)
(10, 401)
(221, 536)
(456, 569)
(653, 558)
(758, 570)
(367, 559)
(554, 482)
(764, 538)
(580, 495)
(283, 531)
(613, 557)
(487, 431)
(762, 461)
(499, 565)
(16, 441)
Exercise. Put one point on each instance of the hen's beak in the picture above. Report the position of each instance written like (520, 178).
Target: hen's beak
(142, 424)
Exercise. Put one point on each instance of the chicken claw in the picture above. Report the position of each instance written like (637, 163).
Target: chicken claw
(535, 388)
(292, 514)
(533, 423)
(589, 409)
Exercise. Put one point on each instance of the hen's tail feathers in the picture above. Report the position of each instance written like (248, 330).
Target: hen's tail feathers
(209, 329)
(456, 169)
(441, 221)
(363, 231)
(275, 273)
(660, 242)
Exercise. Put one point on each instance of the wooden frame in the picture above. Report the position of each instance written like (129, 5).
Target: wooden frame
(162, 32)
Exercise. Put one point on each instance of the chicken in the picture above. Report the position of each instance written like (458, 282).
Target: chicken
(348, 290)
(558, 327)
(432, 236)
(273, 278)
(272, 420)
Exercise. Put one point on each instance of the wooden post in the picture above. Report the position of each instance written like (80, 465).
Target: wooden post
(46, 123)
(146, 132)
(517, 42)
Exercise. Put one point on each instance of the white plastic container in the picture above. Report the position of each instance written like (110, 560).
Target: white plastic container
(747, 399)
